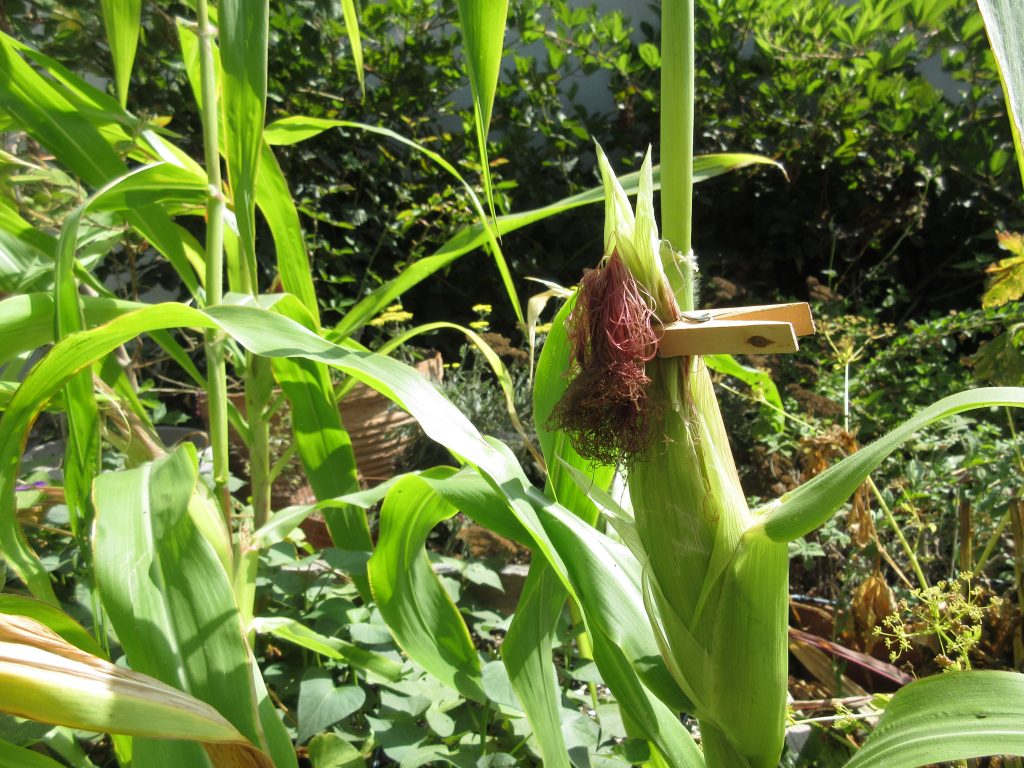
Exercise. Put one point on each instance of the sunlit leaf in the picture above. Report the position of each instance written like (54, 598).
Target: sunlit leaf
(951, 716)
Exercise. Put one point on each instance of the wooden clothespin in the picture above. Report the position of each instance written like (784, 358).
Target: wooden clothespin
(759, 330)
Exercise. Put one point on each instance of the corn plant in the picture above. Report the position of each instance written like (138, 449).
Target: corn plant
(685, 608)
(170, 562)
(665, 608)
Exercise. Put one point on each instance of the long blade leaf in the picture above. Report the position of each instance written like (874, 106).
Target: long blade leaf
(802, 510)
(121, 19)
(952, 716)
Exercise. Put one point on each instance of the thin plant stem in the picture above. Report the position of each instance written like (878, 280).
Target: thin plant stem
(214, 339)
(891, 520)
(677, 97)
(990, 545)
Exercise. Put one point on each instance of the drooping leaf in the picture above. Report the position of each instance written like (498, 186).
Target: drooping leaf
(418, 611)
(46, 678)
(331, 647)
(52, 618)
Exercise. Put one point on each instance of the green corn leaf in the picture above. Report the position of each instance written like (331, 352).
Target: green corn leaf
(45, 113)
(290, 130)
(526, 651)
(52, 618)
(332, 647)
(13, 756)
(559, 454)
(122, 21)
(26, 254)
(1004, 21)
(483, 37)
(799, 512)
(26, 321)
(348, 10)
(499, 369)
(760, 382)
(26, 324)
(167, 594)
(952, 716)
(275, 201)
(417, 609)
(243, 26)
(47, 679)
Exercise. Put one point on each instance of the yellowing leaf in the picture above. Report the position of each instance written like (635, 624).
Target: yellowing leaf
(46, 678)
(1007, 274)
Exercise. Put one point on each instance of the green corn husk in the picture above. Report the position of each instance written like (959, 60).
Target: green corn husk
(716, 589)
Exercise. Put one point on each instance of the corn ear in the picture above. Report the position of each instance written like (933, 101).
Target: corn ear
(716, 587)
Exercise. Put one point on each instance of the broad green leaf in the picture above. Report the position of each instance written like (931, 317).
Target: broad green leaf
(331, 751)
(952, 716)
(331, 647)
(800, 511)
(322, 703)
(26, 321)
(50, 680)
(244, 29)
(1004, 21)
(527, 654)
(483, 37)
(13, 756)
(167, 594)
(348, 10)
(418, 611)
(122, 20)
